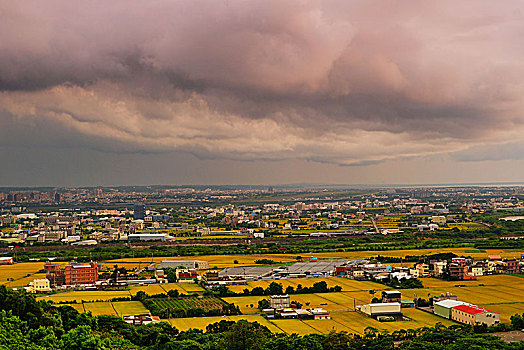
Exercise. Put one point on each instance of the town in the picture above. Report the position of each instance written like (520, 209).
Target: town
(295, 260)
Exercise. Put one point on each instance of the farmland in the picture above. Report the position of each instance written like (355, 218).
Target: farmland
(19, 273)
(205, 303)
(184, 324)
(501, 293)
(349, 321)
(101, 295)
(117, 308)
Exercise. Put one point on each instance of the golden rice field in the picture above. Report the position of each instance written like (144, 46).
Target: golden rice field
(186, 288)
(349, 321)
(126, 308)
(100, 308)
(501, 293)
(87, 295)
(78, 307)
(17, 272)
(117, 308)
(101, 295)
(184, 324)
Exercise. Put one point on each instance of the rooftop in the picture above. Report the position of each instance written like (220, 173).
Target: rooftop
(448, 303)
(472, 309)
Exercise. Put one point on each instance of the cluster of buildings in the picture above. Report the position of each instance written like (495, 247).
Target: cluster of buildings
(73, 274)
(456, 269)
(360, 269)
(281, 307)
(449, 307)
(93, 275)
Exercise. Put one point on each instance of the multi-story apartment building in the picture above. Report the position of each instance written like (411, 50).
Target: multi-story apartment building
(76, 273)
(512, 266)
(186, 274)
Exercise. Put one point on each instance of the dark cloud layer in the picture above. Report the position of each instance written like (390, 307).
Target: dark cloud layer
(350, 83)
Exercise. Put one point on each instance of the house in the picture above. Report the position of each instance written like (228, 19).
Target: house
(423, 270)
(6, 261)
(186, 275)
(160, 276)
(439, 267)
(320, 314)
(287, 313)
(512, 266)
(138, 320)
(458, 270)
(475, 271)
(39, 286)
(391, 296)
(381, 309)
(473, 315)
(210, 276)
(279, 301)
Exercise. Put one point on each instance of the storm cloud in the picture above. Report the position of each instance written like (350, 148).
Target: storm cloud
(349, 83)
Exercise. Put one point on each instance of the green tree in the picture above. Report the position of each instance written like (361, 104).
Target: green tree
(81, 338)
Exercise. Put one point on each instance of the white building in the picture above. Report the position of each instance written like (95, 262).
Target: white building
(39, 286)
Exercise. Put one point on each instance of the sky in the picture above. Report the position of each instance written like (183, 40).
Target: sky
(261, 92)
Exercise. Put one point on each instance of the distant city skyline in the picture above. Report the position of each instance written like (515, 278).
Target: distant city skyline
(261, 92)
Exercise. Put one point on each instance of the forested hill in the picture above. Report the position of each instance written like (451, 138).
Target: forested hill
(26, 323)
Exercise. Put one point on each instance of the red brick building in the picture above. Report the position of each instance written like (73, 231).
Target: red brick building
(76, 273)
(73, 273)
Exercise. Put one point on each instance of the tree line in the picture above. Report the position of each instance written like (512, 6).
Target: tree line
(276, 288)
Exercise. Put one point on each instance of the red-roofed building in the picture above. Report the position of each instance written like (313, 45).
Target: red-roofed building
(472, 315)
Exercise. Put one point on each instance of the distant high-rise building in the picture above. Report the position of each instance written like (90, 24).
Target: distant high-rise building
(139, 211)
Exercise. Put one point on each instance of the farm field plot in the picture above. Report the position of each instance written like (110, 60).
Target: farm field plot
(506, 310)
(256, 318)
(191, 287)
(239, 288)
(326, 326)
(244, 303)
(424, 318)
(24, 281)
(346, 284)
(155, 289)
(77, 307)
(86, 295)
(206, 303)
(490, 280)
(126, 308)
(294, 326)
(348, 299)
(328, 301)
(18, 271)
(183, 324)
(318, 300)
(358, 322)
(100, 308)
